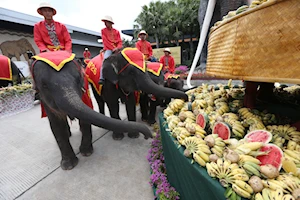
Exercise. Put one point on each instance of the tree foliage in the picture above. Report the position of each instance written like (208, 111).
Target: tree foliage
(170, 20)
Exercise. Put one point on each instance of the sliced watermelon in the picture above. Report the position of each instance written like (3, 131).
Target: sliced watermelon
(202, 120)
(222, 129)
(259, 136)
(274, 157)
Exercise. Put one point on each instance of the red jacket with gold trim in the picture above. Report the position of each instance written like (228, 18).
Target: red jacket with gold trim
(145, 47)
(111, 39)
(42, 39)
(171, 63)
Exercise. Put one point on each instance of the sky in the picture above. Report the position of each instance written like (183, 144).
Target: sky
(85, 13)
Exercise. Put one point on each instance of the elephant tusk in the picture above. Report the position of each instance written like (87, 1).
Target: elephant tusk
(205, 27)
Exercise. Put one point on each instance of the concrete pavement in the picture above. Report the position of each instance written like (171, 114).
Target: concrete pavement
(29, 163)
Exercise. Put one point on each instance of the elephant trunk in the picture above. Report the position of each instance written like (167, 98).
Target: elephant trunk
(147, 85)
(71, 103)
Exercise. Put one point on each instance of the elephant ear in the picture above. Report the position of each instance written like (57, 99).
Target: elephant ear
(110, 71)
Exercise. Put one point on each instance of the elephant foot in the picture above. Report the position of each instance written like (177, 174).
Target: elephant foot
(118, 136)
(133, 135)
(68, 164)
(86, 151)
(144, 119)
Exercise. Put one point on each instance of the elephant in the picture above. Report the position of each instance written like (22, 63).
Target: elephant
(16, 78)
(17, 48)
(117, 71)
(221, 9)
(61, 94)
(148, 102)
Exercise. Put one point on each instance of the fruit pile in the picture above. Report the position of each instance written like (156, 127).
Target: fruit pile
(288, 95)
(15, 90)
(241, 9)
(250, 154)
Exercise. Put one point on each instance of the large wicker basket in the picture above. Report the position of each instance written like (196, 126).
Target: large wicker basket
(261, 44)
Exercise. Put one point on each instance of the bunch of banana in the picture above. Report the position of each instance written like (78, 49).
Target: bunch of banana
(228, 173)
(290, 167)
(176, 105)
(219, 145)
(222, 107)
(197, 148)
(172, 121)
(180, 132)
(292, 155)
(249, 148)
(292, 145)
(255, 124)
(195, 129)
(268, 194)
(269, 118)
(200, 104)
(250, 164)
(168, 112)
(236, 126)
(242, 9)
(290, 184)
(246, 114)
(256, 3)
(235, 105)
(283, 134)
(183, 115)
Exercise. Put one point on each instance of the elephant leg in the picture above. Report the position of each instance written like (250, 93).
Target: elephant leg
(17, 55)
(144, 106)
(60, 130)
(152, 112)
(99, 100)
(111, 97)
(131, 113)
(86, 147)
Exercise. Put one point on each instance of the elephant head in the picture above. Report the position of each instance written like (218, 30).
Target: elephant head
(61, 92)
(117, 70)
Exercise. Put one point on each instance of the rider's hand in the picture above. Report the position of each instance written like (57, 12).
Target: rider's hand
(115, 49)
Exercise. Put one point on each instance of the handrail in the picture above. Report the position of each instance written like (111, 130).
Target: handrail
(205, 27)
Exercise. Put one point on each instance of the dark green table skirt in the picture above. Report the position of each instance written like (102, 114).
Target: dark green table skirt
(190, 180)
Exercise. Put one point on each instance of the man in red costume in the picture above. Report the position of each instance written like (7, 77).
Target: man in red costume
(86, 54)
(111, 39)
(168, 61)
(50, 35)
(144, 46)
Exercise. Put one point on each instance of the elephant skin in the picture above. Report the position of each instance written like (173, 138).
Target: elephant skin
(221, 9)
(129, 80)
(148, 105)
(15, 76)
(17, 48)
(61, 93)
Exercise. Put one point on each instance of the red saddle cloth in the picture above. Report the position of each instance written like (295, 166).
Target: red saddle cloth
(134, 57)
(93, 70)
(169, 76)
(154, 67)
(5, 68)
(56, 60)
(86, 61)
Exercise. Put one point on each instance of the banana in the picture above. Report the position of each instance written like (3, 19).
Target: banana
(203, 155)
(217, 152)
(242, 177)
(288, 197)
(199, 160)
(204, 149)
(278, 194)
(251, 170)
(271, 185)
(258, 196)
(228, 192)
(240, 191)
(265, 194)
(293, 154)
(244, 185)
(247, 158)
(253, 146)
(210, 170)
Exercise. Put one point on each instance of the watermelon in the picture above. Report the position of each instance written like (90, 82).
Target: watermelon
(222, 129)
(202, 120)
(259, 136)
(274, 156)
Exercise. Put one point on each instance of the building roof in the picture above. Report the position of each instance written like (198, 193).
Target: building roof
(21, 18)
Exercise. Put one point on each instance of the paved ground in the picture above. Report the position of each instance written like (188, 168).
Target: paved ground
(30, 159)
(29, 162)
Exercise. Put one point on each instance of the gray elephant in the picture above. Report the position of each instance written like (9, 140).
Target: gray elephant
(61, 91)
(149, 102)
(122, 79)
(5, 62)
(221, 9)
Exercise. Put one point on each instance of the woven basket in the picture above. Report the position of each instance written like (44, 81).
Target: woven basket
(261, 44)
